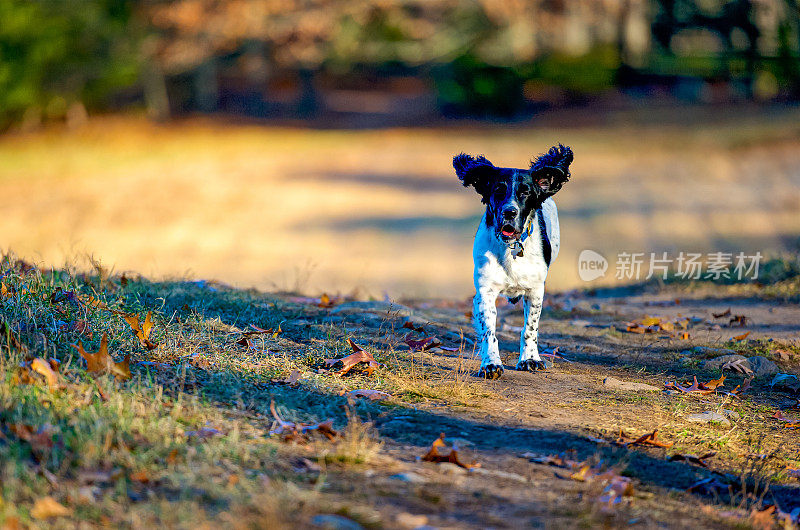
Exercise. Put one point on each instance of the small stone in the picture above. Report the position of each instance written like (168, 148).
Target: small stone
(410, 477)
(335, 522)
(613, 382)
(500, 474)
(452, 469)
(708, 417)
(762, 366)
(409, 520)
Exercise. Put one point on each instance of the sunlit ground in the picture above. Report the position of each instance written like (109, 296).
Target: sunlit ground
(381, 211)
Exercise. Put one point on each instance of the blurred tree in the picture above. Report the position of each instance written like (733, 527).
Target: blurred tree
(57, 55)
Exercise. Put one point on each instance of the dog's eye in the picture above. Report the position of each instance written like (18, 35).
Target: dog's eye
(500, 190)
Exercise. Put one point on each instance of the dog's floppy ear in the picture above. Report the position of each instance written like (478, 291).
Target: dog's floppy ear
(551, 170)
(476, 172)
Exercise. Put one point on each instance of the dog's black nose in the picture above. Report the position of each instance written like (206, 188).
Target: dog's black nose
(510, 213)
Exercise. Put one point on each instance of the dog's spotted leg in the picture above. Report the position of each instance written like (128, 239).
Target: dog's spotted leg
(484, 314)
(529, 358)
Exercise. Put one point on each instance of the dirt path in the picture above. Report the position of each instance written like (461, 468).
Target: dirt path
(568, 409)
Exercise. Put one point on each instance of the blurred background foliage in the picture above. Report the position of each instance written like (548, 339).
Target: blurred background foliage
(360, 63)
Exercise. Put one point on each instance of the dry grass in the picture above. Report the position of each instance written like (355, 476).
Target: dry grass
(380, 211)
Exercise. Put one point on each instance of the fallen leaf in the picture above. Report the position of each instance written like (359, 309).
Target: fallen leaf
(372, 395)
(744, 387)
(714, 383)
(140, 476)
(326, 302)
(650, 438)
(204, 433)
(48, 508)
(762, 519)
(39, 439)
(142, 329)
(358, 356)
(692, 459)
(43, 367)
(299, 432)
(683, 335)
(788, 422)
(726, 313)
(695, 388)
(422, 345)
(258, 330)
(408, 325)
(738, 320)
(172, 457)
(433, 454)
(650, 321)
(741, 337)
(101, 362)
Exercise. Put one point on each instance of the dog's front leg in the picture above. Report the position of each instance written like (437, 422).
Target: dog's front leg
(529, 359)
(485, 316)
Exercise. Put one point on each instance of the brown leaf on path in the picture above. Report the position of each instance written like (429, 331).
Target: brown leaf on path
(634, 328)
(39, 439)
(741, 337)
(358, 356)
(142, 329)
(683, 335)
(204, 433)
(788, 422)
(140, 476)
(650, 438)
(422, 345)
(299, 432)
(692, 459)
(408, 325)
(695, 388)
(762, 519)
(48, 508)
(433, 455)
(738, 320)
(714, 383)
(43, 367)
(725, 313)
(372, 395)
(744, 387)
(101, 362)
(326, 302)
(257, 330)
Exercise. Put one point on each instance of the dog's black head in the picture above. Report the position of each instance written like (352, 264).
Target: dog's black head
(512, 194)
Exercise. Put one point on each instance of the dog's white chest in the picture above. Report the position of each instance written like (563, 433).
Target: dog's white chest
(497, 267)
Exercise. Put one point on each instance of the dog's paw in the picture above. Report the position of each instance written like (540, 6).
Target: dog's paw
(529, 365)
(491, 371)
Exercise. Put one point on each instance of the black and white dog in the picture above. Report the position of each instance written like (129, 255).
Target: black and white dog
(516, 242)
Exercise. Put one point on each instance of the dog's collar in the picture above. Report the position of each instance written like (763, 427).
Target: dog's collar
(516, 247)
